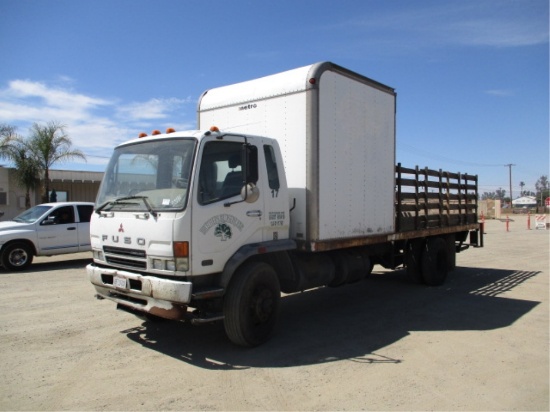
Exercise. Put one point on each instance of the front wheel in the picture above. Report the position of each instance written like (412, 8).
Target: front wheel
(251, 304)
(16, 256)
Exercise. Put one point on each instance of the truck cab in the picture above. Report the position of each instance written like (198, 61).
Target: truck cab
(177, 213)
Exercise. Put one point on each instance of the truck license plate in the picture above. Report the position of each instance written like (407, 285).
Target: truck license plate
(119, 282)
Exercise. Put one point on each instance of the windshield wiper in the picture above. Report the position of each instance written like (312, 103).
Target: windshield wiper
(121, 200)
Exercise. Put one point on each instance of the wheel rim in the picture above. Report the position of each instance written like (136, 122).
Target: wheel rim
(18, 257)
(261, 305)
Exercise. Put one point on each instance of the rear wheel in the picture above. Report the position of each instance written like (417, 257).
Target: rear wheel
(435, 261)
(413, 260)
(16, 256)
(251, 304)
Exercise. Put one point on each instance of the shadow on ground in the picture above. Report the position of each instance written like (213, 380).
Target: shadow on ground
(353, 322)
(44, 266)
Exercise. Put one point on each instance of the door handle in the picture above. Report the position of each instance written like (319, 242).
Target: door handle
(71, 228)
(254, 213)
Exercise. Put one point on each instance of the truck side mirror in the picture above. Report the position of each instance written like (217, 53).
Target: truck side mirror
(50, 220)
(250, 163)
(249, 160)
(250, 193)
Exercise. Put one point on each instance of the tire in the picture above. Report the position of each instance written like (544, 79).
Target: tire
(413, 260)
(251, 304)
(435, 262)
(17, 256)
(369, 265)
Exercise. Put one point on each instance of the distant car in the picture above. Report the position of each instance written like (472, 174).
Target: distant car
(45, 230)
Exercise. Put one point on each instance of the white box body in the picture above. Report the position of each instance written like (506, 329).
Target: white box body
(336, 130)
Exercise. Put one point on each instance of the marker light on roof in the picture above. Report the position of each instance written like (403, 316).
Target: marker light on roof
(155, 132)
(214, 129)
(142, 135)
(170, 130)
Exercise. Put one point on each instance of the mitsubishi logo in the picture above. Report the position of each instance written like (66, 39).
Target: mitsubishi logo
(121, 229)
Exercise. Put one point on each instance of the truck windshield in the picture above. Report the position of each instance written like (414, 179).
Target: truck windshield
(147, 176)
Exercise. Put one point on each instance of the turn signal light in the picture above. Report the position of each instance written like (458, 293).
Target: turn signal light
(181, 249)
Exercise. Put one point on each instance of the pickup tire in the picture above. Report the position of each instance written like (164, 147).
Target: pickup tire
(251, 304)
(435, 261)
(16, 256)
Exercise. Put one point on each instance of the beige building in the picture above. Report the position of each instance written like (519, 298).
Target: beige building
(68, 185)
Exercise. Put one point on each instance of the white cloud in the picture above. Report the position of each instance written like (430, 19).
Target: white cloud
(499, 92)
(53, 97)
(503, 23)
(94, 124)
(152, 109)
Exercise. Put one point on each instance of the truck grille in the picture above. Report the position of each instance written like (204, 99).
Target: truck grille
(124, 252)
(133, 258)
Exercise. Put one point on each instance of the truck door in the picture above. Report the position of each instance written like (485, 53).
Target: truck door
(58, 233)
(275, 196)
(223, 221)
(84, 215)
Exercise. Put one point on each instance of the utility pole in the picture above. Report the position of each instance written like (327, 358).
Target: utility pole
(509, 166)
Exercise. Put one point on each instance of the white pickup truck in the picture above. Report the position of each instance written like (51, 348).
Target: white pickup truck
(45, 230)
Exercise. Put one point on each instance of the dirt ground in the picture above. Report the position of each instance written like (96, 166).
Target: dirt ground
(480, 342)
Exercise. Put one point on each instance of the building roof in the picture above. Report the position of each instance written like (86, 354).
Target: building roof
(75, 176)
(525, 200)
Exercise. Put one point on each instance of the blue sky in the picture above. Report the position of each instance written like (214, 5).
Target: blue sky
(471, 75)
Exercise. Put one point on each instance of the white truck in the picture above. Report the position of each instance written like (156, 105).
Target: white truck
(296, 188)
(45, 230)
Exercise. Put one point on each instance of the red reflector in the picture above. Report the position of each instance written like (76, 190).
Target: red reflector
(312, 80)
(262, 249)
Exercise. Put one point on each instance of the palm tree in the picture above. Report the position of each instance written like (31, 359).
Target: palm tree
(521, 185)
(47, 145)
(7, 134)
(13, 147)
(27, 172)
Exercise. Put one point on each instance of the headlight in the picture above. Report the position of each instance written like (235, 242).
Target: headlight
(98, 255)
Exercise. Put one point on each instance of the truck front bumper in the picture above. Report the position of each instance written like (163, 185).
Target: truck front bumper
(160, 297)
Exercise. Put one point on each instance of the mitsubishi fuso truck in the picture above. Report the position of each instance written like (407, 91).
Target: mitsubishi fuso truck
(289, 184)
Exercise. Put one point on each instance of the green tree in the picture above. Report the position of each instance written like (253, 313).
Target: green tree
(7, 134)
(47, 145)
(27, 172)
(488, 195)
(14, 148)
(500, 193)
(542, 188)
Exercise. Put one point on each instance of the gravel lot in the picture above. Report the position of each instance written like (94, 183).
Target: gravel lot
(478, 343)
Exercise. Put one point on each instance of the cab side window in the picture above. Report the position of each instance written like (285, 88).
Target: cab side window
(272, 170)
(222, 173)
(84, 213)
(62, 216)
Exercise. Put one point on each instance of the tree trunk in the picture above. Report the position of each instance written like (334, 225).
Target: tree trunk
(45, 195)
